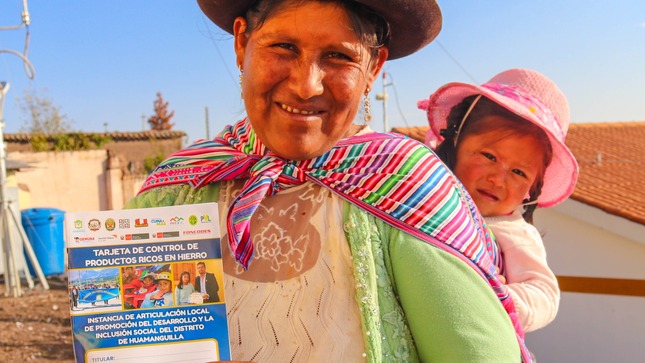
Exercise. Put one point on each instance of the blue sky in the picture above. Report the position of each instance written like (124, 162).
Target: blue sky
(104, 61)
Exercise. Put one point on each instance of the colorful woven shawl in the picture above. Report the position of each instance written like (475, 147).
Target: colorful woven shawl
(390, 176)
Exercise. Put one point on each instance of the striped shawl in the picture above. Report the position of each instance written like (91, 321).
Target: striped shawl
(390, 176)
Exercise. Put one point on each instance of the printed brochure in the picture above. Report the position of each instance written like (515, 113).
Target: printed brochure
(147, 285)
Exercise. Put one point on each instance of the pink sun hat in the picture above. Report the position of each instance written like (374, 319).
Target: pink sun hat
(529, 95)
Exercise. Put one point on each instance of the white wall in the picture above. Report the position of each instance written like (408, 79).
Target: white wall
(585, 242)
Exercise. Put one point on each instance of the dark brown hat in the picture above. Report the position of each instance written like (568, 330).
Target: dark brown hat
(413, 23)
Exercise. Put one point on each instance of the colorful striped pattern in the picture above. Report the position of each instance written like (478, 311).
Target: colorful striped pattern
(390, 176)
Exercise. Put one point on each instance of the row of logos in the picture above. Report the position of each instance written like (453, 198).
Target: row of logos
(110, 224)
(145, 236)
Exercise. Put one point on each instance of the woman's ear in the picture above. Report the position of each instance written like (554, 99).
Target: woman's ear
(376, 65)
(241, 39)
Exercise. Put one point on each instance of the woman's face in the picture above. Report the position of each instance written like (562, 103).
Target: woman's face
(498, 168)
(185, 279)
(305, 74)
(163, 286)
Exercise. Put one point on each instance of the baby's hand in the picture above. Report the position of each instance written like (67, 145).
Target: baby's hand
(502, 279)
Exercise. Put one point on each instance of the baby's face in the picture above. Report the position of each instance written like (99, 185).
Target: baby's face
(498, 170)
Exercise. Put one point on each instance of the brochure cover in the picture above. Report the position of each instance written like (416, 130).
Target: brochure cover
(147, 285)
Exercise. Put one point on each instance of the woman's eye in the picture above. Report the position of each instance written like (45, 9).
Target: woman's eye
(338, 55)
(286, 46)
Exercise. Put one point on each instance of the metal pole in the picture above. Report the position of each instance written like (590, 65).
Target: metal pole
(12, 277)
(32, 256)
(385, 126)
(208, 134)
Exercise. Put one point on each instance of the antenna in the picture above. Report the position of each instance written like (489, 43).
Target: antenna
(10, 250)
(26, 20)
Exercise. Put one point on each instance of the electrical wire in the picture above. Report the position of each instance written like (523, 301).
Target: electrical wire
(29, 68)
(26, 20)
(456, 61)
(219, 53)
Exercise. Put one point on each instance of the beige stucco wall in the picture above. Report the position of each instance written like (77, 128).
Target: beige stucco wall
(72, 181)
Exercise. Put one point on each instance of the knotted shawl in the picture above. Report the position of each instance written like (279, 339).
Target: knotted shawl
(391, 176)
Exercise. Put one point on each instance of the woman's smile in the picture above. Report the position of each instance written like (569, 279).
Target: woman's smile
(296, 110)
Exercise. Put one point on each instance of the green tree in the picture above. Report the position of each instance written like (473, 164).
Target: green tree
(40, 115)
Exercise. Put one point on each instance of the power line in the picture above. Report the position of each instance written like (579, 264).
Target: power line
(219, 53)
(456, 62)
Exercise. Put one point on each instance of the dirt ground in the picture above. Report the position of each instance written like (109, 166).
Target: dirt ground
(35, 327)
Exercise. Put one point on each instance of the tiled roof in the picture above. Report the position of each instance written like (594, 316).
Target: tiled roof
(612, 165)
(116, 135)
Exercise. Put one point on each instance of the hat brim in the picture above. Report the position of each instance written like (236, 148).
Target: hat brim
(413, 23)
(562, 173)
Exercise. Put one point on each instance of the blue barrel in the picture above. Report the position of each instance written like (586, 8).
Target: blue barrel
(44, 229)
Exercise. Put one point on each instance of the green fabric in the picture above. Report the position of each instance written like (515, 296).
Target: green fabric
(417, 303)
(386, 334)
(174, 195)
(448, 309)
(453, 314)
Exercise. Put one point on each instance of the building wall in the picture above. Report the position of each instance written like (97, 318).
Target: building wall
(74, 181)
(584, 242)
(132, 148)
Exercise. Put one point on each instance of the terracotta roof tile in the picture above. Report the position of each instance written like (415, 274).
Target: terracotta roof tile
(612, 165)
(116, 135)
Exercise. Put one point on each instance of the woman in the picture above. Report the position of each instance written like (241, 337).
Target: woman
(162, 296)
(184, 289)
(354, 254)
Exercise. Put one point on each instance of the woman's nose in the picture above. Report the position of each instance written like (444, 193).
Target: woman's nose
(308, 80)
